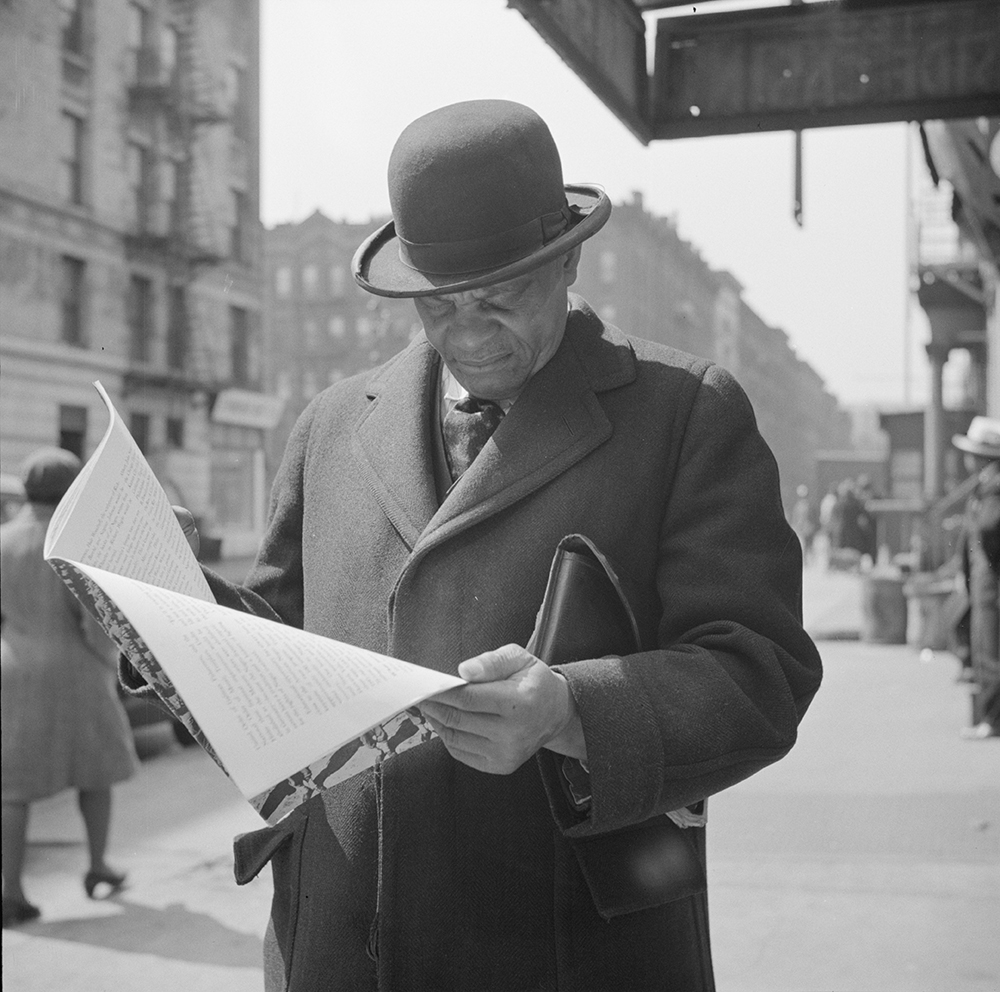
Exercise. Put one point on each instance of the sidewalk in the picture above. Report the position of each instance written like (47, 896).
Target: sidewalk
(868, 860)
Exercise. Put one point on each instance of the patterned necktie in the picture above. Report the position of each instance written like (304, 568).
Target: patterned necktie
(466, 429)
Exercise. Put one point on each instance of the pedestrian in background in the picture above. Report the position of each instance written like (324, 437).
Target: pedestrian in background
(803, 523)
(980, 551)
(63, 723)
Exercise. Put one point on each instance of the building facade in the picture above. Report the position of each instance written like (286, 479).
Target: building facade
(638, 273)
(130, 247)
(320, 326)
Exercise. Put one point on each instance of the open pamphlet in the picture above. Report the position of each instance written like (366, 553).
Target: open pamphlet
(284, 712)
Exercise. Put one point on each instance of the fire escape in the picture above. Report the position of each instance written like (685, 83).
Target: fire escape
(175, 100)
(950, 292)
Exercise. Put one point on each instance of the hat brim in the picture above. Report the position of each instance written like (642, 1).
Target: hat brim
(378, 268)
(974, 447)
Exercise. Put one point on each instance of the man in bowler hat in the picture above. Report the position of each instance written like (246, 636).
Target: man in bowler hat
(416, 512)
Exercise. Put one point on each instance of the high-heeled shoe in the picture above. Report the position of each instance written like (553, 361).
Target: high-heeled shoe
(114, 880)
(18, 911)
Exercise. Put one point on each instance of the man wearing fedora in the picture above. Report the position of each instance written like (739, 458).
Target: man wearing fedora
(980, 556)
(416, 513)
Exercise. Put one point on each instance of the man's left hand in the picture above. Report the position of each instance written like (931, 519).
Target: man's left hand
(514, 705)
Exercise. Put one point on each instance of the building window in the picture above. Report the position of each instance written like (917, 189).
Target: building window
(73, 429)
(338, 278)
(239, 102)
(238, 232)
(283, 280)
(608, 267)
(140, 173)
(178, 334)
(138, 426)
(337, 328)
(71, 22)
(363, 326)
(310, 280)
(170, 178)
(140, 318)
(72, 299)
(138, 30)
(73, 129)
(283, 386)
(175, 432)
(242, 348)
(169, 44)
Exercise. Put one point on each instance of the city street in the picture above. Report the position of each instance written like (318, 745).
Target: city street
(869, 859)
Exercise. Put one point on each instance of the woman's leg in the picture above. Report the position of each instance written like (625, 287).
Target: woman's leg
(15, 841)
(95, 806)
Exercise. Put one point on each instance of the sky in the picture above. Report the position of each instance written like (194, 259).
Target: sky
(342, 78)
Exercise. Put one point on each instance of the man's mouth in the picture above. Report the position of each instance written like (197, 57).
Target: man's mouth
(481, 362)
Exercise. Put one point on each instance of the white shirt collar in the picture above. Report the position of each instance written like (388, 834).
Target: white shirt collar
(453, 392)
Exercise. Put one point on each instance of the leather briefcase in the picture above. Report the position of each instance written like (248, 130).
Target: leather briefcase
(585, 614)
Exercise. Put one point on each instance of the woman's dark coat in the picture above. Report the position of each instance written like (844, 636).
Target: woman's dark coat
(427, 874)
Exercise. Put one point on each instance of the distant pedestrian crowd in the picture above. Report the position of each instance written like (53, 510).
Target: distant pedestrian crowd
(840, 530)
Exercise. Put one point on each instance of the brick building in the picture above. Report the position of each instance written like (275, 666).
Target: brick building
(320, 326)
(130, 248)
(638, 273)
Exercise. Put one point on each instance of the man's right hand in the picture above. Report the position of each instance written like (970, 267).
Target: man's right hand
(190, 528)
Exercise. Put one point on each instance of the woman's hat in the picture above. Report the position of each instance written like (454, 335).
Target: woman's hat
(47, 473)
(982, 437)
(477, 198)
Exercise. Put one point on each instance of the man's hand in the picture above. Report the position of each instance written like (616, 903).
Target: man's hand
(514, 705)
(186, 520)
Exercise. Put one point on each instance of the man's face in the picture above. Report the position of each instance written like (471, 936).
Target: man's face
(494, 339)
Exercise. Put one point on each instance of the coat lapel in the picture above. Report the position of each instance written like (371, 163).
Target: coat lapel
(555, 422)
(393, 440)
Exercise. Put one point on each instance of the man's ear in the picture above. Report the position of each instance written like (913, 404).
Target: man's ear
(571, 261)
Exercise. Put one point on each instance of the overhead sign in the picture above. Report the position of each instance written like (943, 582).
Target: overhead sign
(822, 64)
(604, 43)
(244, 408)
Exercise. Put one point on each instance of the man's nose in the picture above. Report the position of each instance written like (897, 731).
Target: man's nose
(470, 326)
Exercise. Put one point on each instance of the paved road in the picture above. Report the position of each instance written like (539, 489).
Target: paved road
(869, 859)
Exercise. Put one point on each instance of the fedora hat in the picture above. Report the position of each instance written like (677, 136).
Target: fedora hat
(982, 437)
(477, 197)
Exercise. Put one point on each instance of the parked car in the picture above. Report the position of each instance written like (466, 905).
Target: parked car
(11, 496)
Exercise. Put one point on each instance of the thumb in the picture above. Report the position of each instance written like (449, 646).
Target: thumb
(186, 519)
(494, 666)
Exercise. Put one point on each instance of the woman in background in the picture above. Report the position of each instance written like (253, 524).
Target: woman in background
(63, 725)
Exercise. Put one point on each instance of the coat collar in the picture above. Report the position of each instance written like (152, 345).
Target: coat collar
(556, 421)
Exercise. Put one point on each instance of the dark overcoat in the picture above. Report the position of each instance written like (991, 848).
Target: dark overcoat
(427, 874)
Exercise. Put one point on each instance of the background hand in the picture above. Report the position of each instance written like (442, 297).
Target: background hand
(514, 705)
(186, 520)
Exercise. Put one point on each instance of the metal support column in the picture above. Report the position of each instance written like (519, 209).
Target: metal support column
(934, 428)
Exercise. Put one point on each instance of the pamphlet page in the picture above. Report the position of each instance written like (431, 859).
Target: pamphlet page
(117, 517)
(285, 713)
(270, 698)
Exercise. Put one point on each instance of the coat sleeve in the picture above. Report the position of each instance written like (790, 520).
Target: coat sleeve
(722, 694)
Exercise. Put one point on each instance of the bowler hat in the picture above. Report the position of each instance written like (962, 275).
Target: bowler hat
(47, 473)
(477, 197)
(982, 437)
